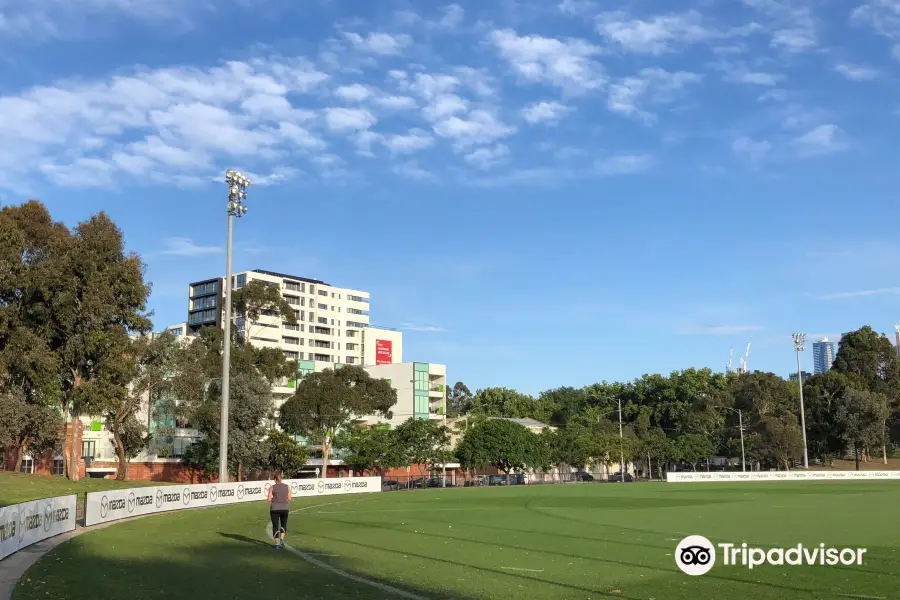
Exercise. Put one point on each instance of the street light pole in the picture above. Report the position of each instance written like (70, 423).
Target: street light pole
(621, 443)
(799, 341)
(741, 426)
(237, 193)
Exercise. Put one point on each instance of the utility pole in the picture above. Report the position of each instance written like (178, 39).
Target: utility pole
(237, 193)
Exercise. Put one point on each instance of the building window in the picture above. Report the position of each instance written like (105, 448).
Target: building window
(241, 281)
(59, 467)
(351, 360)
(357, 325)
(292, 341)
(351, 334)
(291, 327)
(356, 311)
(288, 354)
(350, 346)
(292, 300)
(421, 379)
(323, 320)
(358, 299)
(204, 288)
(294, 287)
(27, 465)
(323, 293)
(323, 306)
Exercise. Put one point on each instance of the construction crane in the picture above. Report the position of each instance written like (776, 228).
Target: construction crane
(744, 368)
(897, 345)
(730, 366)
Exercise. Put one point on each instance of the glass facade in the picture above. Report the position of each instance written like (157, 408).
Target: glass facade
(420, 389)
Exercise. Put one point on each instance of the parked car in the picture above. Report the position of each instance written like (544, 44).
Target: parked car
(617, 478)
(584, 477)
(390, 484)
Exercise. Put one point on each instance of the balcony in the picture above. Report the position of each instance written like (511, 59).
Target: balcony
(436, 391)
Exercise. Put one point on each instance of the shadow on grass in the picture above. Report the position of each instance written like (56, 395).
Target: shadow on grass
(244, 538)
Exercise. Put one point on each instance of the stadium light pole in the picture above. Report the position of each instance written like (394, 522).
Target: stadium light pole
(799, 341)
(237, 193)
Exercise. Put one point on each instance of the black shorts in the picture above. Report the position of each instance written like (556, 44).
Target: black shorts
(279, 521)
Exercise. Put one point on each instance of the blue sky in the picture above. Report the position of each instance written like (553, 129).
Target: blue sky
(540, 193)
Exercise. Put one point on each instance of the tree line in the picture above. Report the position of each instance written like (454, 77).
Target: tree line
(74, 341)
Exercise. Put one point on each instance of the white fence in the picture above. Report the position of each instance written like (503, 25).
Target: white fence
(781, 476)
(102, 507)
(24, 524)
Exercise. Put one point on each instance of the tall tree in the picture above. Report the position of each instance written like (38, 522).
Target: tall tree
(282, 454)
(502, 402)
(327, 402)
(459, 399)
(822, 396)
(692, 448)
(871, 358)
(372, 449)
(99, 299)
(780, 439)
(425, 442)
(503, 444)
(861, 416)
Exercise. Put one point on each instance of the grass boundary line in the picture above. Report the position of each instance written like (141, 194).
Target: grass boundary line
(344, 574)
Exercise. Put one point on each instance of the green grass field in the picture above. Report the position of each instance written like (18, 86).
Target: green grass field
(532, 542)
(16, 487)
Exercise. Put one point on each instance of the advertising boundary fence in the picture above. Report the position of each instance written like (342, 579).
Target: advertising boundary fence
(22, 525)
(114, 505)
(782, 476)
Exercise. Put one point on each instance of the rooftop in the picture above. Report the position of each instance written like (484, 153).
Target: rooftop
(294, 277)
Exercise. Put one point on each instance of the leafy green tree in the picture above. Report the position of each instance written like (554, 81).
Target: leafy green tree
(861, 416)
(502, 402)
(780, 439)
(564, 405)
(574, 446)
(372, 449)
(692, 448)
(282, 454)
(26, 425)
(459, 399)
(870, 358)
(425, 442)
(821, 397)
(325, 403)
(250, 412)
(503, 444)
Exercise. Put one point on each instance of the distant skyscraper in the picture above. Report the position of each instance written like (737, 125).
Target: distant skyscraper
(823, 355)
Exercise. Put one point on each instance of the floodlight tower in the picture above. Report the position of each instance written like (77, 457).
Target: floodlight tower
(799, 341)
(237, 193)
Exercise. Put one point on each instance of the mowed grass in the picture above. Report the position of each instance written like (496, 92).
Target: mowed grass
(18, 487)
(530, 542)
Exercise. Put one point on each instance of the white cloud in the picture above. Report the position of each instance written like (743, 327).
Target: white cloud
(411, 170)
(754, 151)
(445, 106)
(758, 78)
(658, 35)
(567, 64)
(379, 43)
(661, 85)
(861, 294)
(857, 72)
(478, 127)
(624, 164)
(422, 328)
(578, 8)
(353, 93)
(489, 156)
(396, 102)
(415, 140)
(823, 139)
(540, 112)
(792, 26)
(170, 123)
(453, 16)
(181, 246)
(348, 119)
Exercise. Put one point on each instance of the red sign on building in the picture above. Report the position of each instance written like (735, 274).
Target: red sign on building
(384, 352)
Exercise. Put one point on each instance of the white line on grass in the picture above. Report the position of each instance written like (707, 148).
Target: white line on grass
(862, 597)
(310, 558)
(518, 569)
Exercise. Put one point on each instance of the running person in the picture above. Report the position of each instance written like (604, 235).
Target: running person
(279, 497)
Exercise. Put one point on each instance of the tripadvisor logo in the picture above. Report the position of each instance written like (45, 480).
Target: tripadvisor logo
(696, 555)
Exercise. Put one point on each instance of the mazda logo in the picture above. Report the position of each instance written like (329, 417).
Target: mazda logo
(186, 496)
(48, 516)
(213, 494)
(346, 485)
(159, 498)
(267, 488)
(104, 506)
(294, 487)
(131, 502)
(23, 516)
(240, 492)
(320, 486)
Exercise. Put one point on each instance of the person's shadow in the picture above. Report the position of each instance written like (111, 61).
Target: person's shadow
(243, 538)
